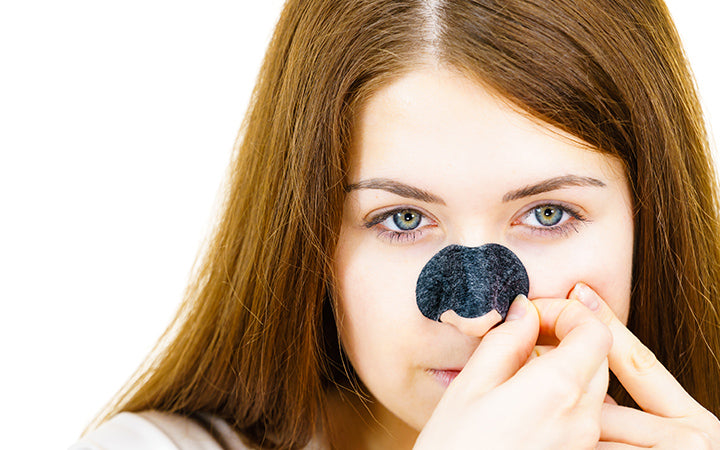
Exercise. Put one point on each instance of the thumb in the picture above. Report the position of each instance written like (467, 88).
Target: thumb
(504, 349)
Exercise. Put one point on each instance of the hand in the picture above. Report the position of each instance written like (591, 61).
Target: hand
(670, 417)
(500, 400)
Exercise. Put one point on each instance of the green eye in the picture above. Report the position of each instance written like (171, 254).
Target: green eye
(548, 215)
(407, 219)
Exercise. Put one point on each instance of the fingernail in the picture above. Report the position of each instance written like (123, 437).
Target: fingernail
(518, 308)
(586, 296)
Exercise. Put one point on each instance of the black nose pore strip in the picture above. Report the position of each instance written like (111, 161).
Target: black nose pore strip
(472, 281)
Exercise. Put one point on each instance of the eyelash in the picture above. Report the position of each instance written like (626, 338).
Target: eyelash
(392, 235)
(563, 230)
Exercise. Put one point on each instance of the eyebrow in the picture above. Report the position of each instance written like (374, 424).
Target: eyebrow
(552, 184)
(396, 187)
(408, 191)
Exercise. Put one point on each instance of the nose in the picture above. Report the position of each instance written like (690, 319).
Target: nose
(470, 288)
(475, 235)
(474, 326)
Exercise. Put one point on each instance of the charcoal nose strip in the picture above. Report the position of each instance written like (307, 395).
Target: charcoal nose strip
(472, 281)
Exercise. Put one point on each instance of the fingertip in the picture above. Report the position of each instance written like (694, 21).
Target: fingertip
(518, 308)
(574, 318)
(522, 320)
(588, 297)
(582, 293)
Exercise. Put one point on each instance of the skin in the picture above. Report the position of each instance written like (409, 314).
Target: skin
(473, 156)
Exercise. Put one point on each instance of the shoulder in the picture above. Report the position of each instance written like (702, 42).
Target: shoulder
(161, 431)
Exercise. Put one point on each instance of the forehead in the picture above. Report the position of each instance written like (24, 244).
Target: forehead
(436, 127)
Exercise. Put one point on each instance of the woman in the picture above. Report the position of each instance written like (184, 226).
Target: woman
(382, 131)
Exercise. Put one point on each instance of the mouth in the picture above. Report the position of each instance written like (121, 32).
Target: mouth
(444, 376)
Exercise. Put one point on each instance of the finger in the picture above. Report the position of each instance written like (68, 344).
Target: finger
(630, 426)
(503, 350)
(649, 383)
(549, 310)
(609, 400)
(597, 389)
(615, 446)
(539, 350)
(584, 340)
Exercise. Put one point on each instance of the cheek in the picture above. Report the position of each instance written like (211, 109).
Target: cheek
(602, 262)
(377, 305)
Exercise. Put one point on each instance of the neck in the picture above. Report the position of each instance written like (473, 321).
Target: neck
(357, 425)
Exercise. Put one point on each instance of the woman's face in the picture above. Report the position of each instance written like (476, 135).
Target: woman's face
(438, 160)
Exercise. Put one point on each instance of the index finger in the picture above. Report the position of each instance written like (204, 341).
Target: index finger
(646, 380)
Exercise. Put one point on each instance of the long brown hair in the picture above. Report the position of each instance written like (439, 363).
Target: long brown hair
(249, 342)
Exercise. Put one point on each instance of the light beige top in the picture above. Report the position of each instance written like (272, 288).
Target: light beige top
(163, 431)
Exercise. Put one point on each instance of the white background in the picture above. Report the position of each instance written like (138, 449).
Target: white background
(117, 121)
